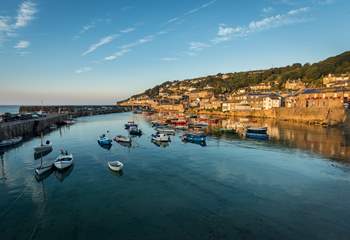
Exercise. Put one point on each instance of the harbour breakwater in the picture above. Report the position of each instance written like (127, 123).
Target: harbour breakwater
(31, 127)
(317, 116)
(76, 110)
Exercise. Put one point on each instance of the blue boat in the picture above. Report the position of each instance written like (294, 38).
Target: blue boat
(194, 137)
(104, 140)
(257, 133)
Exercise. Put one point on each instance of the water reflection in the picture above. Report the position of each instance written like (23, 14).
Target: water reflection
(160, 144)
(3, 173)
(63, 174)
(106, 146)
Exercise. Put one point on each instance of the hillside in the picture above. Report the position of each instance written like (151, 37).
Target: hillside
(310, 74)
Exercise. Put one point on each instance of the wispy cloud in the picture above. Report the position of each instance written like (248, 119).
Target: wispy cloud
(83, 70)
(127, 30)
(25, 14)
(198, 46)
(179, 19)
(169, 59)
(146, 39)
(294, 16)
(116, 55)
(100, 43)
(22, 44)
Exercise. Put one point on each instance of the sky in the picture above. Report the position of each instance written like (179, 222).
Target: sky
(98, 52)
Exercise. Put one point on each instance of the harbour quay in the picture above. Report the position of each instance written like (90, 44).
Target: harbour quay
(29, 127)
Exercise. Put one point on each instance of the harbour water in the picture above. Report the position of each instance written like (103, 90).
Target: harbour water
(9, 109)
(295, 186)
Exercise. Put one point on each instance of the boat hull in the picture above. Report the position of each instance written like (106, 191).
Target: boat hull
(115, 166)
(42, 149)
(257, 136)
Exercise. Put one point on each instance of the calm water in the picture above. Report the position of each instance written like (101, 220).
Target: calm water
(9, 109)
(230, 189)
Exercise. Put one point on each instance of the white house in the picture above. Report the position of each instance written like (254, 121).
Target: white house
(272, 101)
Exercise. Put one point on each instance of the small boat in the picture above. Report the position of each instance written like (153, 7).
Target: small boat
(104, 140)
(257, 133)
(10, 142)
(115, 166)
(64, 160)
(43, 169)
(160, 137)
(130, 124)
(43, 147)
(134, 130)
(122, 139)
(194, 137)
(166, 131)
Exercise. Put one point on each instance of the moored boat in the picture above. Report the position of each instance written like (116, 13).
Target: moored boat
(115, 165)
(166, 131)
(64, 160)
(130, 124)
(256, 133)
(160, 137)
(122, 139)
(42, 169)
(194, 137)
(134, 130)
(104, 140)
(10, 142)
(42, 148)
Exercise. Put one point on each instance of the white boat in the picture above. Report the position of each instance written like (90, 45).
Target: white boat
(166, 131)
(160, 137)
(115, 166)
(43, 147)
(122, 139)
(10, 142)
(43, 169)
(64, 160)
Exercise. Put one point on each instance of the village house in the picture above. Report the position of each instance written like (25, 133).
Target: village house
(261, 87)
(319, 98)
(332, 80)
(272, 101)
(294, 85)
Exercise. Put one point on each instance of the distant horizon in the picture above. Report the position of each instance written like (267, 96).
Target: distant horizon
(121, 48)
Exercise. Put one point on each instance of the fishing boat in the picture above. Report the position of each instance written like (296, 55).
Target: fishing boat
(64, 160)
(104, 140)
(43, 147)
(160, 137)
(122, 139)
(115, 166)
(134, 130)
(256, 133)
(130, 124)
(194, 137)
(166, 131)
(10, 142)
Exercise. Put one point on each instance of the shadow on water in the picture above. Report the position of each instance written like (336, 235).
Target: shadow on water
(118, 174)
(106, 146)
(63, 174)
(160, 144)
(125, 144)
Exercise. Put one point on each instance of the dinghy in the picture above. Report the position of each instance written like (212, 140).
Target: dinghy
(104, 140)
(160, 137)
(259, 133)
(130, 124)
(134, 130)
(122, 139)
(43, 147)
(10, 142)
(64, 160)
(166, 131)
(194, 137)
(43, 169)
(115, 166)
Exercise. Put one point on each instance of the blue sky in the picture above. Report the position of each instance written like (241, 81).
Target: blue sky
(94, 52)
